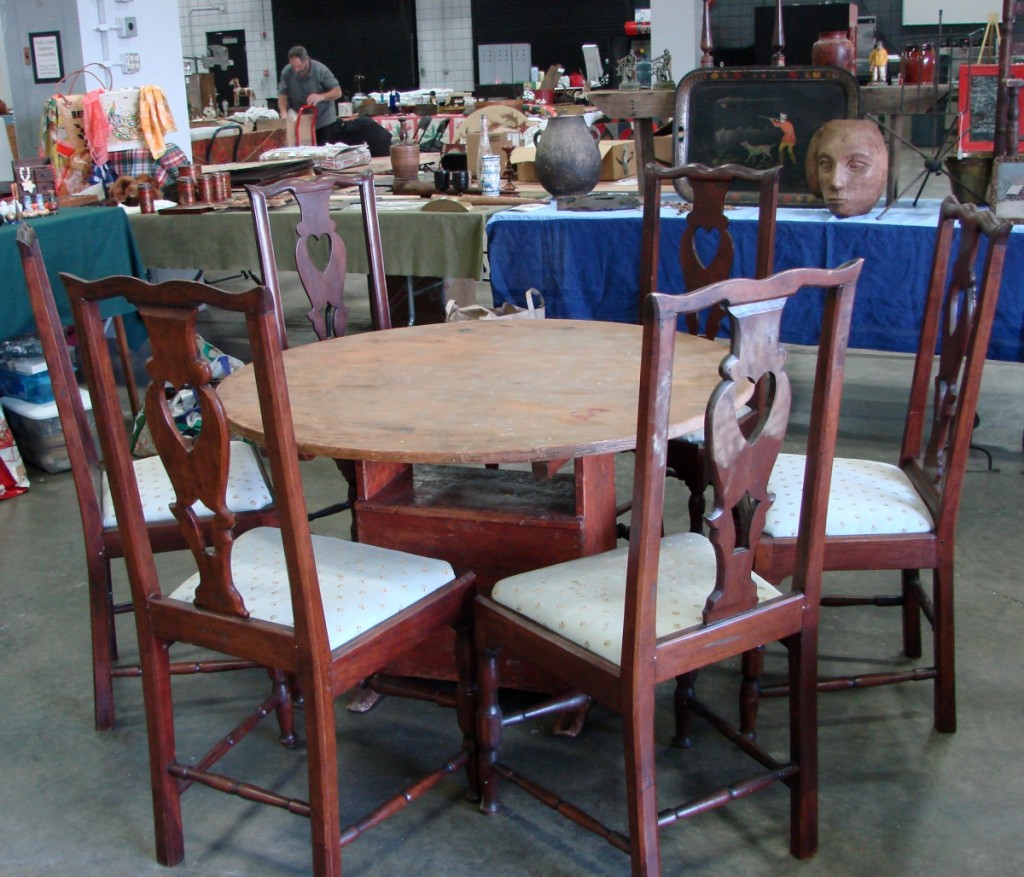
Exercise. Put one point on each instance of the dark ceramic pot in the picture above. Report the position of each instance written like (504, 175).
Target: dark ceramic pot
(834, 49)
(568, 161)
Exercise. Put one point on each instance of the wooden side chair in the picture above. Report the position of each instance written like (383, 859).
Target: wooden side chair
(251, 497)
(322, 267)
(614, 625)
(705, 255)
(275, 595)
(903, 516)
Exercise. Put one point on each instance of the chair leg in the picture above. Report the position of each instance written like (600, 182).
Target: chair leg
(684, 716)
(641, 791)
(156, 692)
(104, 641)
(696, 507)
(803, 742)
(911, 587)
(283, 707)
(945, 661)
(750, 691)
(466, 705)
(488, 735)
(322, 764)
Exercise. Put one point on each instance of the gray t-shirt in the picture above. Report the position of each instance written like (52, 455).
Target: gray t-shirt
(298, 88)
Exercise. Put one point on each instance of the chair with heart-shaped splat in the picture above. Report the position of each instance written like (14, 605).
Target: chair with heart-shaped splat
(706, 255)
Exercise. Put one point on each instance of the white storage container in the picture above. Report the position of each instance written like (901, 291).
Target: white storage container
(38, 432)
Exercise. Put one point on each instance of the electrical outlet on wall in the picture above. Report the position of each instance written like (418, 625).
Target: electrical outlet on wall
(131, 62)
(127, 27)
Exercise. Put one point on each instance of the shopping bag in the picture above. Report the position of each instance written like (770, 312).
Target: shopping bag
(534, 310)
(121, 107)
(13, 477)
(70, 131)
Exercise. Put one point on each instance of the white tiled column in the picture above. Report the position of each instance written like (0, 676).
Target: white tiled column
(445, 37)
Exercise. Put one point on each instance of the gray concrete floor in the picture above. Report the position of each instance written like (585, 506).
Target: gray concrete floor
(896, 798)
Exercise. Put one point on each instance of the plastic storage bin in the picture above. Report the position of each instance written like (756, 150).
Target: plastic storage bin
(37, 430)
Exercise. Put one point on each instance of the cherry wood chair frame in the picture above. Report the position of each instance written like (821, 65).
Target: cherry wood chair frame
(322, 279)
(218, 616)
(710, 187)
(959, 309)
(735, 616)
(102, 543)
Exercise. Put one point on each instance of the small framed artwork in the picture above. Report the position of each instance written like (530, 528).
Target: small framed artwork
(759, 118)
(977, 105)
(1006, 193)
(47, 61)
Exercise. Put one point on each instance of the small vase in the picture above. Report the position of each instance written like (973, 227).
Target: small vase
(834, 49)
(405, 161)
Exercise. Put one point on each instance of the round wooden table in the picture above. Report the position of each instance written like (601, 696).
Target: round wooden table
(492, 391)
(495, 391)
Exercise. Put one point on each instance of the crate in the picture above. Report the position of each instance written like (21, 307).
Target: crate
(37, 431)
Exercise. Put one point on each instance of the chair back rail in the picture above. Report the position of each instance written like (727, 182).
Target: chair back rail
(86, 469)
(169, 311)
(709, 188)
(322, 279)
(959, 310)
(740, 463)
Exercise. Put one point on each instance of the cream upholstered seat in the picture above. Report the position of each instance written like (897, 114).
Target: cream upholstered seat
(360, 585)
(584, 599)
(248, 490)
(867, 497)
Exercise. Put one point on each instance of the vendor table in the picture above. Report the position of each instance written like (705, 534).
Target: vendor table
(587, 266)
(415, 243)
(91, 242)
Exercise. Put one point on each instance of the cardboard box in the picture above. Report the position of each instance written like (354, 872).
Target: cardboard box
(618, 160)
(664, 149)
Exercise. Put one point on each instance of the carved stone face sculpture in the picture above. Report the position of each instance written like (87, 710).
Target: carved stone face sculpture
(847, 165)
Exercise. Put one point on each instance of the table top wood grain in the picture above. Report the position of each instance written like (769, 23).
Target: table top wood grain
(493, 391)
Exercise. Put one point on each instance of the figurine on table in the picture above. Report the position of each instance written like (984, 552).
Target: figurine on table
(661, 71)
(878, 61)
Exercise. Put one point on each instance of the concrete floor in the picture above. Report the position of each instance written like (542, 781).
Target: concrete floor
(895, 798)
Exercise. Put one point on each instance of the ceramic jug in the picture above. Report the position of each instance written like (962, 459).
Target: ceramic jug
(568, 161)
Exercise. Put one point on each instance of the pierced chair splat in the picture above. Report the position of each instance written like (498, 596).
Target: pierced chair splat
(103, 537)
(614, 625)
(321, 257)
(903, 516)
(706, 255)
(276, 594)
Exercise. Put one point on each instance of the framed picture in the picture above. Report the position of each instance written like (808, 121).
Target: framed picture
(760, 117)
(47, 61)
(1006, 193)
(977, 105)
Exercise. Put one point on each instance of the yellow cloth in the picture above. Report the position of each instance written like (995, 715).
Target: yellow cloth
(155, 118)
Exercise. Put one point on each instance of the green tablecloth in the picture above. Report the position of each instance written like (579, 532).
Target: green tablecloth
(91, 242)
(415, 243)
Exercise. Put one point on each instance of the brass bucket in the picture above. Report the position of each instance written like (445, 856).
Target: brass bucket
(969, 178)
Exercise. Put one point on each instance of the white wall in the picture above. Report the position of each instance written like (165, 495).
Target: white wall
(158, 43)
(675, 25)
(445, 40)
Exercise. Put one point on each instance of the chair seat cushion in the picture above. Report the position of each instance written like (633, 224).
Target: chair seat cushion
(583, 600)
(361, 585)
(248, 490)
(867, 497)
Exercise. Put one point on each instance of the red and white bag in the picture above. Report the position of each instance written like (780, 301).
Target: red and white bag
(13, 477)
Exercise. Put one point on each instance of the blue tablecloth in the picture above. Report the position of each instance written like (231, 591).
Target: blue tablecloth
(91, 242)
(587, 266)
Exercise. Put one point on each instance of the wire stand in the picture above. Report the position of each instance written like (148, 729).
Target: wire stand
(932, 163)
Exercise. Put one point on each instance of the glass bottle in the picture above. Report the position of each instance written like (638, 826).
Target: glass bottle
(485, 146)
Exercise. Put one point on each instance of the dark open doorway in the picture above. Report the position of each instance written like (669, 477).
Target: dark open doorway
(234, 42)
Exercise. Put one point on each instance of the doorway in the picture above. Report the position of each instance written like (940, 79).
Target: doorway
(234, 42)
